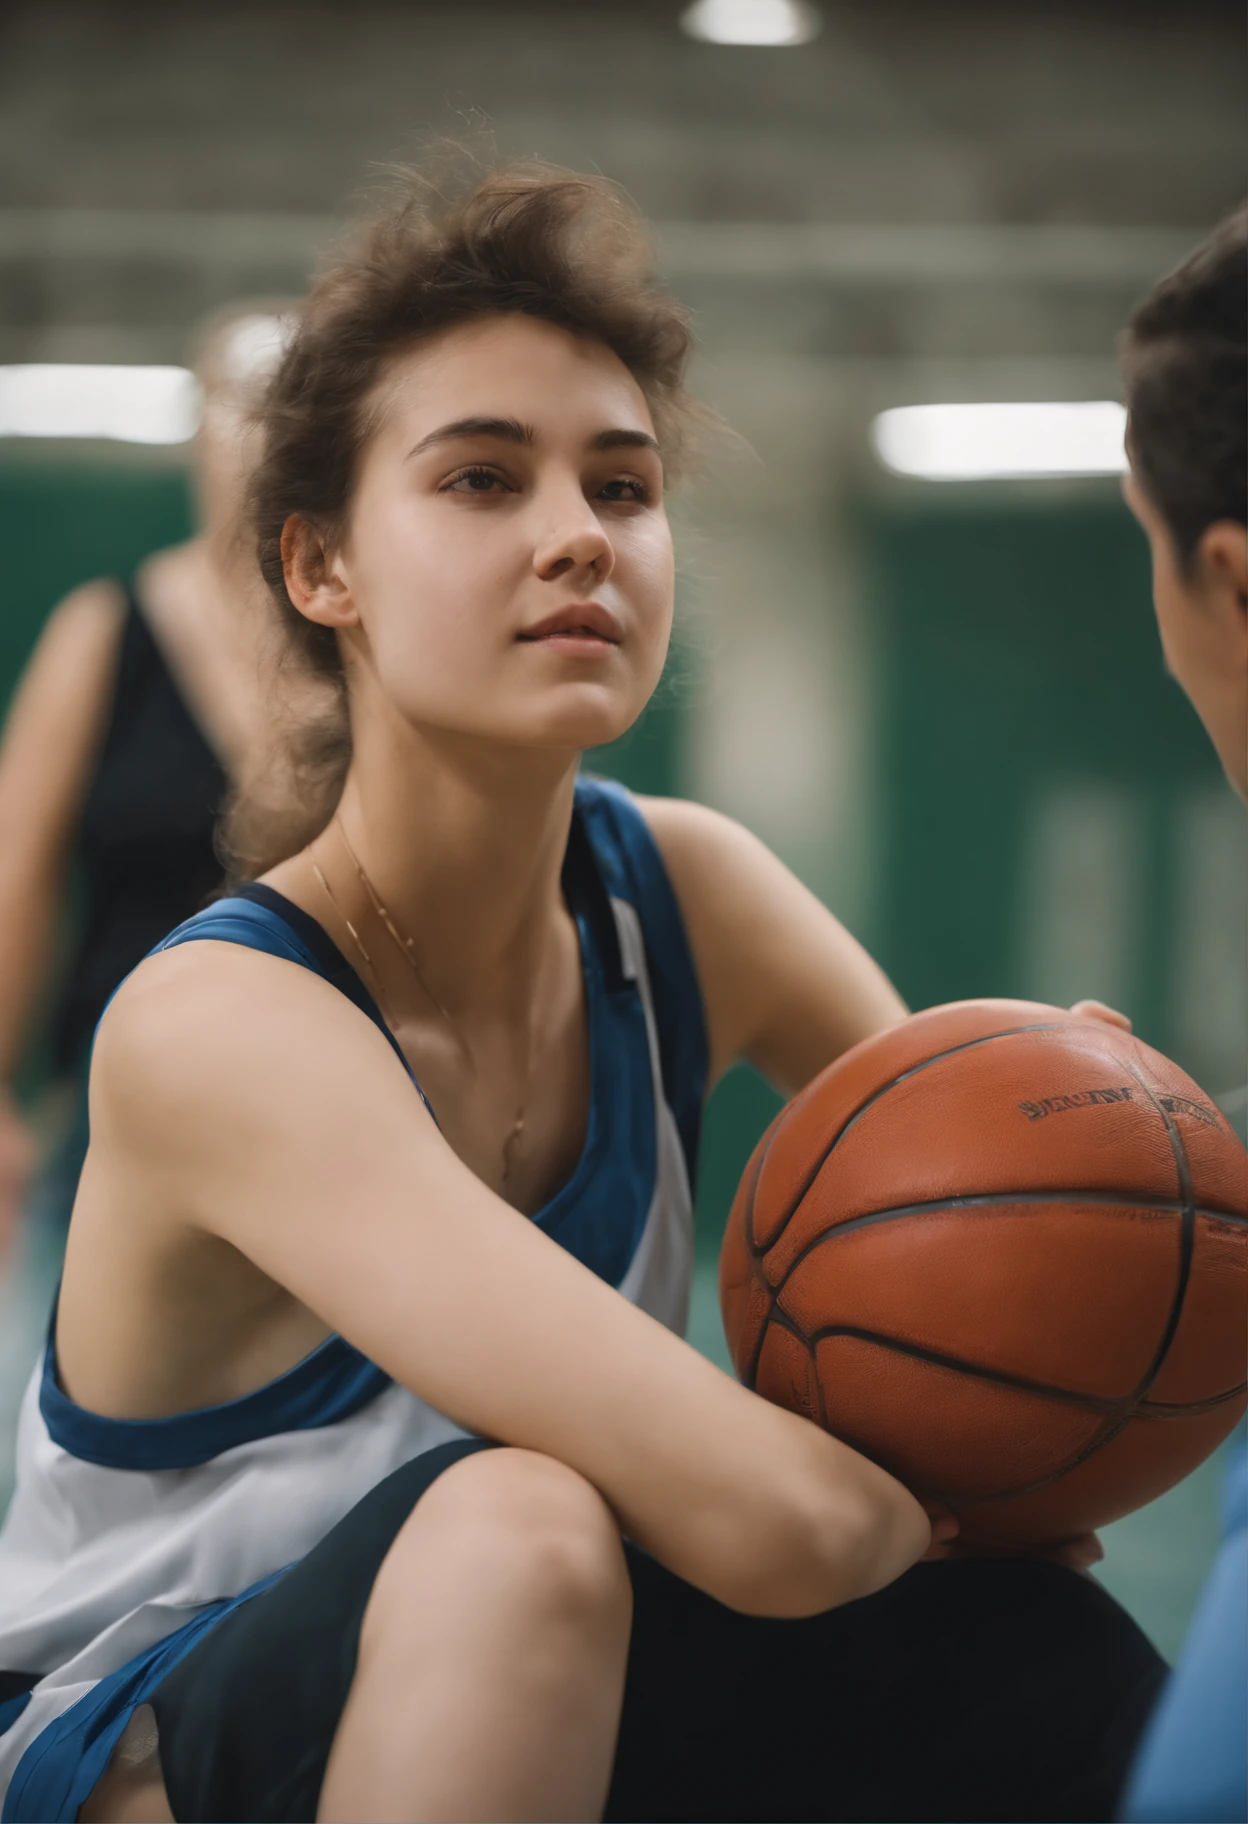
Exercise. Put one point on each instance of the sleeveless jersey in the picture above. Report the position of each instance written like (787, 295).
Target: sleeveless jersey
(126, 1539)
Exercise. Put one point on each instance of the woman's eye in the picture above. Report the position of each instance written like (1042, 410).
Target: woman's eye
(625, 491)
(474, 481)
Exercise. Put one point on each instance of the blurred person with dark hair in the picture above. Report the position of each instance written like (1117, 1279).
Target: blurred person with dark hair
(367, 1474)
(1185, 367)
(138, 703)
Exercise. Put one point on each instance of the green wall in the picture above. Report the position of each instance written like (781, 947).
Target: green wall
(1018, 662)
(63, 522)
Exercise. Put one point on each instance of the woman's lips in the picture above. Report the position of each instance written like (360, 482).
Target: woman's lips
(576, 642)
(581, 627)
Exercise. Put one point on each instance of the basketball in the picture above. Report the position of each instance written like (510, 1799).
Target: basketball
(1003, 1251)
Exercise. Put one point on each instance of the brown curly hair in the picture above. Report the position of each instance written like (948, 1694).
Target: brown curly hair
(529, 239)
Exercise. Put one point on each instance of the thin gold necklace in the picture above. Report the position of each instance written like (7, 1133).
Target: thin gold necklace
(405, 947)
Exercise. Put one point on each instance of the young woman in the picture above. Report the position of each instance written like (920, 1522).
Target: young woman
(367, 1354)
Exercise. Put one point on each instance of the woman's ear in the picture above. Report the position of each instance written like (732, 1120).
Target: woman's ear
(314, 580)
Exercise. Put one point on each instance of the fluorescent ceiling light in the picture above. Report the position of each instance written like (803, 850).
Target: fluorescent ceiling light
(752, 21)
(981, 442)
(130, 404)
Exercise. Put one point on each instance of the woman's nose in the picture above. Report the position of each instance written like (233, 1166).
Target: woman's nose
(573, 540)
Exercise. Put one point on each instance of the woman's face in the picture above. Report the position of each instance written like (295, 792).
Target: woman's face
(507, 569)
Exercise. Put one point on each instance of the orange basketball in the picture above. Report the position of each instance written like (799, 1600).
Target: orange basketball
(1004, 1252)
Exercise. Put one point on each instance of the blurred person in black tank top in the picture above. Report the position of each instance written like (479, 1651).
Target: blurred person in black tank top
(135, 713)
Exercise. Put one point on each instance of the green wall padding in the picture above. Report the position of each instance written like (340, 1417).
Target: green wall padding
(1017, 657)
(62, 523)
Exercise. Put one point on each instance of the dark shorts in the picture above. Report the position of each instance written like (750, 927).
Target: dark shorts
(965, 1691)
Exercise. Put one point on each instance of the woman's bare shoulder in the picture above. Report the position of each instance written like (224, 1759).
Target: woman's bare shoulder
(696, 843)
(100, 602)
(82, 633)
(211, 1032)
(71, 662)
(693, 838)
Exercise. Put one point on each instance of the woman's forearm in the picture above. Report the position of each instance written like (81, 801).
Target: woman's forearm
(759, 1507)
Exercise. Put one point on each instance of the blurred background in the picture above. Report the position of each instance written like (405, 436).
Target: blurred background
(938, 694)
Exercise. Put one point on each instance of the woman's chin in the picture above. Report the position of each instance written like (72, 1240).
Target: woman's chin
(589, 733)
(579, 724)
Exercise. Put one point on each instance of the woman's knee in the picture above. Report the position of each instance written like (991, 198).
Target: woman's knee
(520, 1526)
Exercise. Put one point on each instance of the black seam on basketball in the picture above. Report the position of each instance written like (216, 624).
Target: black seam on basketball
(813, 1354)
(1187, 1234)
(991, 1200)
(902, 1077)
(751, 1241)
(1186, 1409)
(951, 1497)
(759, 1270)
(1000, 1377)
(1187, 1239)
(1011, 1032)
(750, 1377)
(1115, 1412)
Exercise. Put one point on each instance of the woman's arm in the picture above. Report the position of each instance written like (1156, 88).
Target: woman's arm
(52, 733)
(784, 984)
(335, 1182)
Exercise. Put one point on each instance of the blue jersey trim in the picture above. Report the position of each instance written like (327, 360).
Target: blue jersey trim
(326, 1386)
(633, 870)
(258, 918)
(55, 1775)
(599, 1215)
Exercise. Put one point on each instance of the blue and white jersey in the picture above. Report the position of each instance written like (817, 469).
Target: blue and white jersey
(126, 1539)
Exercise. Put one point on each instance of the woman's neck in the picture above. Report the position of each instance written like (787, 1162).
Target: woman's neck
(463, 843)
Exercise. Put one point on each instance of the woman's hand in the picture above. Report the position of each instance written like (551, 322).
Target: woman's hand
(1079, 1553)
(1097, 1010)
(945, 1528)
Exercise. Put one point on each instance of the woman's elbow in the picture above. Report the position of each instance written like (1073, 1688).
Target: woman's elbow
(828, 1547)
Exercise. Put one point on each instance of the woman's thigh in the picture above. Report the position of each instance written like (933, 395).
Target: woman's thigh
(426, 1569)
(247, 1719)
(966, 1690)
